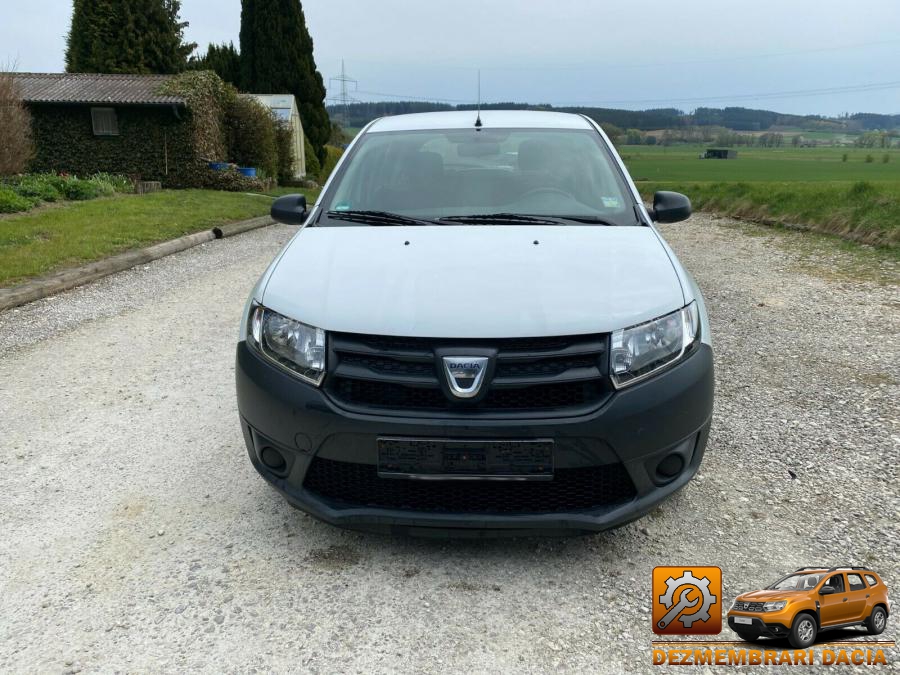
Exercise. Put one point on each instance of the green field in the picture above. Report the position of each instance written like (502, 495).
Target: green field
(812, 188)
(682, 163)
(57, 236)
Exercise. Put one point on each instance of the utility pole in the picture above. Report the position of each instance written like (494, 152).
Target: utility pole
(344, 99)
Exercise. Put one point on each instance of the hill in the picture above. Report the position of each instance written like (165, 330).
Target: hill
(734, 118)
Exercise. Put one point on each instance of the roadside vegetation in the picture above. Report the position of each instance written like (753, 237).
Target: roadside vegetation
(833, 190)
(861, 211)
(24, 192)
(46, 240)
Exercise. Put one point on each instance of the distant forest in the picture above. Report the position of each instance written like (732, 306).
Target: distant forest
(737, 119)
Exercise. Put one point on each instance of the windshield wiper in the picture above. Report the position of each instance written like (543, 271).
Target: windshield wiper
(377, 218)
(591, 220)
(501, 219)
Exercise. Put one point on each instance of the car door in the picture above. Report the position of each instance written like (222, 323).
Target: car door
(833, 606)
(858, 596)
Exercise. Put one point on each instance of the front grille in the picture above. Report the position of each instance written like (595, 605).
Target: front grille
(397, 374)
(570, 490)
(742, 606)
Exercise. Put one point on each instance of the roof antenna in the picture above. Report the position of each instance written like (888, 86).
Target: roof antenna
(478, 117)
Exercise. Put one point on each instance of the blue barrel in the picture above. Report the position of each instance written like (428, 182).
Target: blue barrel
(248, 171)
(218, 166)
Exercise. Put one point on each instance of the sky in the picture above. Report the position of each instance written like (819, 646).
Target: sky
(794, 56)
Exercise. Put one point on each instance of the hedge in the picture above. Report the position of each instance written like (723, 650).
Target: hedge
(171, 144)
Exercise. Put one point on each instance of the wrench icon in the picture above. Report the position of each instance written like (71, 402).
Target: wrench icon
(681, 605)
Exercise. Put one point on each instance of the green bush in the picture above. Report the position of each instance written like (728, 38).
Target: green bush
(313, 168)
(115, 182)
(284, 143)
(231, 180)
(250, 133)
(11, 202)
(40, 187)
(77, 189)
(30, 190)
(331, 160)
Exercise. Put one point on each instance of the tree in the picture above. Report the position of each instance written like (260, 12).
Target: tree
(15, 127)
(223, 60)
(277, 58)
(126, 36)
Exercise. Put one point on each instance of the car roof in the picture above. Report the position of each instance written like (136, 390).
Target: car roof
(465, 119)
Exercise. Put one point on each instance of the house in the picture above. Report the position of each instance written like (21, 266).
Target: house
(84, 123)
(284, 107)
(720, 153)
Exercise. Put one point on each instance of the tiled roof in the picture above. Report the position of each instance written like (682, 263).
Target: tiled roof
(94, 88)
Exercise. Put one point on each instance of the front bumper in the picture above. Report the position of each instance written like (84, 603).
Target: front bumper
(636, 428)
(767, 624)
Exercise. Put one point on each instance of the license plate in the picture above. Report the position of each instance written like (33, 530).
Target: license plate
(743, 619)
(449, 459)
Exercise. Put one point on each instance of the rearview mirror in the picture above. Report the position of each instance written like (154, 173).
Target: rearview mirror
(826, 590)
(290, 209)
(670, 207)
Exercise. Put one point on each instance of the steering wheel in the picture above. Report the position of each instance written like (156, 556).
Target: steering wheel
(545, 190)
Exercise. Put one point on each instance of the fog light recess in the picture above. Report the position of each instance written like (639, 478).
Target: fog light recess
(670, 466)
(272, 458)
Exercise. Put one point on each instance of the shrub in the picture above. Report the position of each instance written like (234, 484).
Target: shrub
(331, 160)
(845, 157)
(869, 159)
(16, 148)
(250, 130)
(284, 143)
(885, 158)
(115, 182)
(40, 187)
(313, 168)
(231, 180)
(78, 189)
(10, 202)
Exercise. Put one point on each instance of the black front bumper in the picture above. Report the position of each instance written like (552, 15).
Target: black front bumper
(759, 628)
(633, 431)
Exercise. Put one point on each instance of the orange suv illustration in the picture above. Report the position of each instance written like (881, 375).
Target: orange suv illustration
(811, 600)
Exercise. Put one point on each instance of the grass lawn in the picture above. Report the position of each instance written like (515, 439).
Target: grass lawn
(682, 163)
(54, 237)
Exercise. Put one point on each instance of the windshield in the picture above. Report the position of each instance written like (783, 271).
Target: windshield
(463, 172)
(797, 582)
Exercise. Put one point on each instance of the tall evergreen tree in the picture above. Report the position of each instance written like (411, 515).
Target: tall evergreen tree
(223, 60)
(277, 58)
(126, 36)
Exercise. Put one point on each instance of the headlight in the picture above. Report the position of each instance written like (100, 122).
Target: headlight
(774, 606)
(291, 344)
(641, 350)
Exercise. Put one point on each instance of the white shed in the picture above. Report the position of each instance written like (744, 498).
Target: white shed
(285, 108)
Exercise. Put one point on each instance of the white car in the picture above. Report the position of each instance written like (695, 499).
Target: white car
(477, 330)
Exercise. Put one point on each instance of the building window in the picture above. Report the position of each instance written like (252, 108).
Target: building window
(105, 121)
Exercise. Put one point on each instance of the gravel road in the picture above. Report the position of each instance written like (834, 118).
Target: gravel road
(137, 537)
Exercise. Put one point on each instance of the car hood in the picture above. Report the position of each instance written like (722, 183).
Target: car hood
(771, 596)
(474, 281)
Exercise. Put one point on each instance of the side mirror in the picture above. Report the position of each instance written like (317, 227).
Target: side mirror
(290, 209)
(826, 590)
(670, 207)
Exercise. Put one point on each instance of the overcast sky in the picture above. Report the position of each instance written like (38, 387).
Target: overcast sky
(796, 56)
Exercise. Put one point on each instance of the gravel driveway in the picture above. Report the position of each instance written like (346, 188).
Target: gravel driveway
(136, 536)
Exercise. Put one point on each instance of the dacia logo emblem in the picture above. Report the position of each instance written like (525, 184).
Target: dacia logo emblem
(465, 374)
